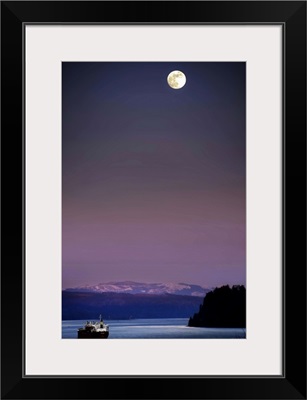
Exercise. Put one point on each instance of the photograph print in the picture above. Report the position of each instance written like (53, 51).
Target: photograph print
(153, 200)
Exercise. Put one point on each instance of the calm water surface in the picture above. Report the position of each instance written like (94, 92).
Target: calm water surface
(170, 328)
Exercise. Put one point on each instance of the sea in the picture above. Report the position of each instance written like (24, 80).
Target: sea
(167, 328)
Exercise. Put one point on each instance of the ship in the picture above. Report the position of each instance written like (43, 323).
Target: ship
(94, 330)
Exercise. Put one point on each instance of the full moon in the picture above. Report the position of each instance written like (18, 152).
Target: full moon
(176, 79)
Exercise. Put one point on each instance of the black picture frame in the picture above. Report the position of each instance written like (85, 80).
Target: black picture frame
(292, 16)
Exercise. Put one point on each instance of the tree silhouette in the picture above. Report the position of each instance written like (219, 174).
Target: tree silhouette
(222, 307)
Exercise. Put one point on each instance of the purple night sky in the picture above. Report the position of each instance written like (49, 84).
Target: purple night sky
(153, 179)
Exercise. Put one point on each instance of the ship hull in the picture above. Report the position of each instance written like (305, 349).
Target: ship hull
(83, 334)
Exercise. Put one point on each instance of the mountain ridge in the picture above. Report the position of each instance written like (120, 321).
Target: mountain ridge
(132, 287)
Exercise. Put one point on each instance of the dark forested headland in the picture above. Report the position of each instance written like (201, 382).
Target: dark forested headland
(223, 307)
(89, 305)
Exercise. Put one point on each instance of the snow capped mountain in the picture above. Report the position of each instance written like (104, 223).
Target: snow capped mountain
(143, 288)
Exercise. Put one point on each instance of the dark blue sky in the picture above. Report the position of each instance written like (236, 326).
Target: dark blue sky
(153, 178)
